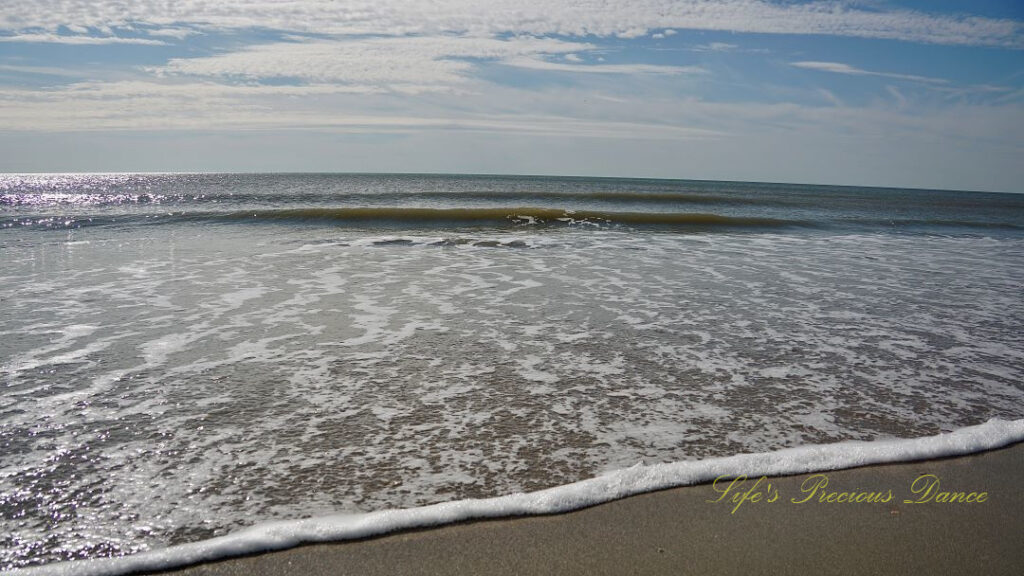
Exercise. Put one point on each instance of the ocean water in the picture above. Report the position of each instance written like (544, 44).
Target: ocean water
(186, 356)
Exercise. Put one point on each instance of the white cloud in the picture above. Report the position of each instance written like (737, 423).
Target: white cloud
(715, 47)
(41, 70)
(138, 105)
(404, 63)
(47, 38)
(840, 68)
(538, 64)
(178, 33)
(628, 18)
(92, 106)
(663, 34)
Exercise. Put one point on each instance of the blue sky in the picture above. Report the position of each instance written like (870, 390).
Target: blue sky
(917, 94)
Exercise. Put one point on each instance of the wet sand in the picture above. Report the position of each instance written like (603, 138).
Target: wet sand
(682, 531)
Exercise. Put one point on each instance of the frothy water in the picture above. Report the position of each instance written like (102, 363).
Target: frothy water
(167, 384)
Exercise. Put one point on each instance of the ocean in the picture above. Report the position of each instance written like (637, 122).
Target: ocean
(186, 356)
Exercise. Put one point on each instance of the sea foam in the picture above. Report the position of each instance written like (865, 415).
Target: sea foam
(610, 486)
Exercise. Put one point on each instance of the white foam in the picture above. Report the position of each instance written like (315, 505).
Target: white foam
(311, 397)
(157, 351)
(528, 370)
(613, 485)
(68, 335)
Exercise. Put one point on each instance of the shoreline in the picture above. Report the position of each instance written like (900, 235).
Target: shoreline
(681, 530)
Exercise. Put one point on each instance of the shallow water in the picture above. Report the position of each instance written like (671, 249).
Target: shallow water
(169, 379)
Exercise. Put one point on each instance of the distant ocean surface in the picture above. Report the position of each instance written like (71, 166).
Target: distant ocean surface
(182, 356)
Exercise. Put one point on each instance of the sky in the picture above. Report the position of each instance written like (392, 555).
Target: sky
(923, 94)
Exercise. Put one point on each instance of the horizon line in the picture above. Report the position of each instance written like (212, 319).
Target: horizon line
(492, 175)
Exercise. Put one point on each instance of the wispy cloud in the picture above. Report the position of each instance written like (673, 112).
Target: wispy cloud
(177, 33)
(830, 97)
(47, 38)
(90, 106)
(840, 68)
(41, 70)
(403, 63)
(715, 47)
(901, 100)
(539, 64)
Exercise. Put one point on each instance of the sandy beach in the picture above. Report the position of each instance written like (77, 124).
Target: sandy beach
(797, 525)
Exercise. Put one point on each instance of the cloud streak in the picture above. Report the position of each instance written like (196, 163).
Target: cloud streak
(47, 38)
(132, 105)
(840, 68)
(538, 64)
(403, 63)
